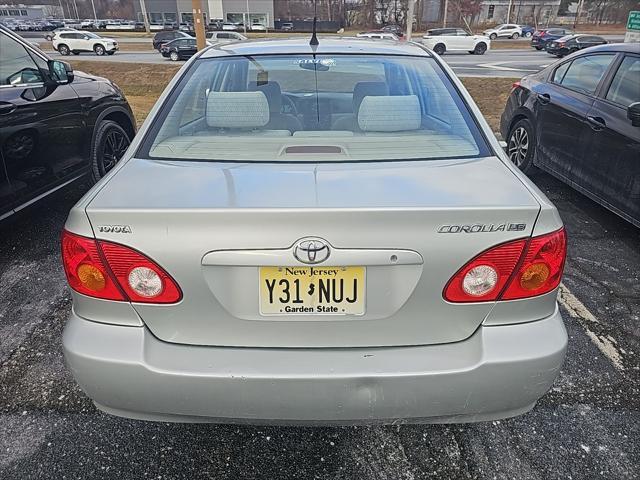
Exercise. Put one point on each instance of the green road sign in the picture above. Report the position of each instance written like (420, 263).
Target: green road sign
(633, 23)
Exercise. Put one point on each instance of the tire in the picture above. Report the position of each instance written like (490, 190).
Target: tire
(493, 36)
(515, 35)
(174, 56)
(63, 50)
(439, 48)
(539, 48)
(480, 48)
(521, 145)
(109, 144)
(528, 35)
(99, 50)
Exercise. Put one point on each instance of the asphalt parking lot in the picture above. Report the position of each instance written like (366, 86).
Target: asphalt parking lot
(587, 427)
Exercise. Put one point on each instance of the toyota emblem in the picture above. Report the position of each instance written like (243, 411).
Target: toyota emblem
(311, 250)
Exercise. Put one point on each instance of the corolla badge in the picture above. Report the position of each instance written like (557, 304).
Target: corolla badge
(311, 250)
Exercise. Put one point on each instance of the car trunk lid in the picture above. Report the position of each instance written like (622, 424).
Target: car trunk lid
(409, 225)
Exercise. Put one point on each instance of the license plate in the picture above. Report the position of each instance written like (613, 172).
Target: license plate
(312, 290)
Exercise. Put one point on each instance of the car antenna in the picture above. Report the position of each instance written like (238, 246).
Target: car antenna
(314, 37)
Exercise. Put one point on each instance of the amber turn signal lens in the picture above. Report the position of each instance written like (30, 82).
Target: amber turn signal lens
(91, 277)
(534, 276)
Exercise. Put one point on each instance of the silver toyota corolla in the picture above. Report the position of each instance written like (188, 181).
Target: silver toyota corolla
(315, 234)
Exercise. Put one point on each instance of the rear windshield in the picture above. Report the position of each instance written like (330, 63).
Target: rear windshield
(298, 108)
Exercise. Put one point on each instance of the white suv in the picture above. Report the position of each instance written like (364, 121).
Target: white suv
(76, 42)
(441, 40)
(507, 30)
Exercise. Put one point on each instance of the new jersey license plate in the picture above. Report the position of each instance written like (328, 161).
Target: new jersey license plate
(312, 290)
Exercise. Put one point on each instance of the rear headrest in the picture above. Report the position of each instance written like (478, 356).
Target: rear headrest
(366, 89)
(237, 110)
(393, 113)
(272, 91)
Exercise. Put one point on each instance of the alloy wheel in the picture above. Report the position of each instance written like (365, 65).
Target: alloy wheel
(518, 146)
(115, 144)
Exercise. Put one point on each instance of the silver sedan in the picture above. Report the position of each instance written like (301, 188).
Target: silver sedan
(315, 234)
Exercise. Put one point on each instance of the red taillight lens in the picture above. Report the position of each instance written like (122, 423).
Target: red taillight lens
(111, 271)
(515, 85)
(542, 267)
(517, 269)
(501, 258)
(86, 271)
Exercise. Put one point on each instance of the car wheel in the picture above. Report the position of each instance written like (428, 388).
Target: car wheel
(493, 36)
(99, 50)
(480, 48)
(174, 56)
(440, 48)
(538, 48)
(515, 35)
(109, 145)
(528, 34)
(19, 146)
(63, 50)
(520, 145)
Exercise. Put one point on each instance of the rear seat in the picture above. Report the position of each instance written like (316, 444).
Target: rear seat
(391, 114)
(239, 113)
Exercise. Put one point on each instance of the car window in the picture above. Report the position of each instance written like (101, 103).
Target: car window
(461, 33)
(584, 73)
(16, 65)
(625, 87)
(279, 108)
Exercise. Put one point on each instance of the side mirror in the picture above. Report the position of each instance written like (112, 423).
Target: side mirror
(633, 114)
(61, 72)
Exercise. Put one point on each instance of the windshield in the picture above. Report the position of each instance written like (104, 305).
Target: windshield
(304, 108)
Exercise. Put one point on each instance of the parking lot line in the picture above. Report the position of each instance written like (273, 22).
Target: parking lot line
(576, 309)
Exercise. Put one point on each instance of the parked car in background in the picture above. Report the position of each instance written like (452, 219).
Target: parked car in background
(378, 34)
(542, 37)
(572, 43)
(395, 29)
(232, 27)
(87, 24)
(225, 37)
(180, 48)
(56, 125)
(441, 40)
(49, 35)
(401, 253)
(286, 26)
(167, 36)
(66, 43)
(216, 23)
(507, 30)
(258, 27)
(527, 30)
(579, 119)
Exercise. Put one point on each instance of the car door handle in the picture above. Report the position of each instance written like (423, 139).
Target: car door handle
(596, 123)
(544, 98)
(6, 108)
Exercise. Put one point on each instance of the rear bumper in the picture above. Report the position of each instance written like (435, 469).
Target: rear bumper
(500, 371)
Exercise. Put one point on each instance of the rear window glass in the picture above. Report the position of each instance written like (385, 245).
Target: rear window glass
(305, 108)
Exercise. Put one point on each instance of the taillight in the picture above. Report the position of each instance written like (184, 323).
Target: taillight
(515, 85)
(111, 271)
(560, 44)
(517, 269)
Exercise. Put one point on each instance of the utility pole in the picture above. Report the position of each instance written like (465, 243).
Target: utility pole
(412, 6)
(509, 11)
(444, 15)
(198, 23)
(145, 19)
(95, 17)
(246, 20)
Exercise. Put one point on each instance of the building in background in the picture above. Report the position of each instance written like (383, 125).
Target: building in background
(21, 11)
(531, 12)
(236, 11)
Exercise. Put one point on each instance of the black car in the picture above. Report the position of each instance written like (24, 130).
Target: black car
(541, 38)
(395, 29)
(579, 119)
(180, 49)
(167, 36)
(572, 43)
(55, 125)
